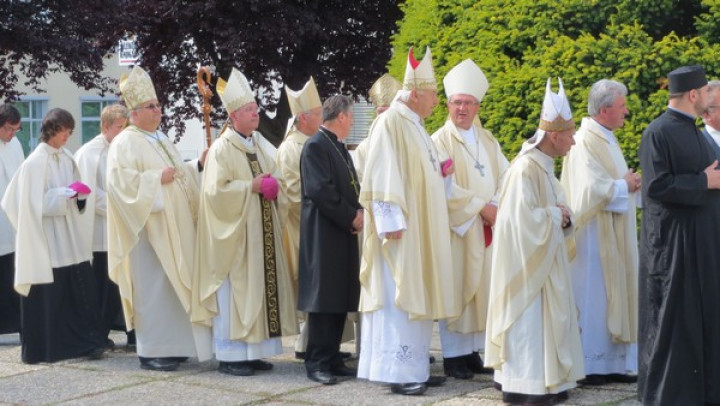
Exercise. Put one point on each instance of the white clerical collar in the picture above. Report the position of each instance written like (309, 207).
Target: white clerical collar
(468, 135)
(715, 134)
(609, 135)
(247, 141)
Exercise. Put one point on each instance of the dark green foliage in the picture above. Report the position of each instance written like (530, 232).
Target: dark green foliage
(519, 44)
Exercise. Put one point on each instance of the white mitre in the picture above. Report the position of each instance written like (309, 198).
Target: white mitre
(305, 99)
(419, 75)
(136, 87)
(466, 78)
(555, 116)
(236, 92)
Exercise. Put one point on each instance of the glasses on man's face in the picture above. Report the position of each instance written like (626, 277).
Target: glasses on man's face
(461, 103)
(712, 106)
(12, 128)
(151, 106)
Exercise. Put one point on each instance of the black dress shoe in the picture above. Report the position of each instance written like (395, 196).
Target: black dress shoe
(475, 364)
(562, 396)
(343, 370)
(324, 377)
(497, 386)
(431, 359)
(593, 380)
(344, 355)
(408, 389)
(457, 368)
(435, 380)
(109, 344)
(96, 353)
(621, 378)
(299, 355)
(236, 368)
(158, 364)
(524, 399)
(260, 365)
(178, 359)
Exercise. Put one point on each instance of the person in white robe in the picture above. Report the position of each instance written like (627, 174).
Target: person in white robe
(532, 336)
(11, 157)
(306, 110)
(152, 201)
(242, 283)
(601, 191)
(406, 276)
(91, 159)
(479, 168)
(53, 275)
(381, 95)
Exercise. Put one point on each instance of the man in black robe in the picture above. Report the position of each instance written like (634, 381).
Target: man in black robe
(330, 220)
(679, 286)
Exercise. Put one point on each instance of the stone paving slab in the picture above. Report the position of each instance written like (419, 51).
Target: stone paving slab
(51, 385)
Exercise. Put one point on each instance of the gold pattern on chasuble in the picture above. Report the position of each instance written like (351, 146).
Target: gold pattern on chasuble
(271, 289)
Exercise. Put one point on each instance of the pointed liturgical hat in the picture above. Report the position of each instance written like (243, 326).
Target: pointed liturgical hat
(304, 99)
(236, 92)
(686, 78)
(555, 116)
(419, 75)
(136, 87)
(466, 78)
(383, 90)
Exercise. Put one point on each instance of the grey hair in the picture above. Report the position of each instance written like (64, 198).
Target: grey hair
(603, 94)
(713, 85)
(335, 105)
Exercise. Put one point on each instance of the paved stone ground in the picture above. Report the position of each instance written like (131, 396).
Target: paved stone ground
(118, 380)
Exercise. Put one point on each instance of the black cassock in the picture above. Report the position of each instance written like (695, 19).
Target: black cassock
(329, 253)
(679, 287)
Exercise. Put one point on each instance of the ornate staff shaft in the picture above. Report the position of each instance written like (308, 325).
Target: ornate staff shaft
(203, 81)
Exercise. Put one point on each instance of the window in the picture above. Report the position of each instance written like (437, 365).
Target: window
(32, 111)
(90, 110)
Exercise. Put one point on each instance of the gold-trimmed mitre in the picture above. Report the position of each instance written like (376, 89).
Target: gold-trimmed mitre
(419, 75)
(383, 90)
(304, 99)
(136, 87)
(466, 78)
(236, 92)
(556, 115)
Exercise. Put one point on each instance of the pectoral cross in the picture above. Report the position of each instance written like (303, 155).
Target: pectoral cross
(480, 168)
(432, 159)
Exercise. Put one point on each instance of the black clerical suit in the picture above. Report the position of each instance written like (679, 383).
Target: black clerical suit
(329, 257)
(679, 278)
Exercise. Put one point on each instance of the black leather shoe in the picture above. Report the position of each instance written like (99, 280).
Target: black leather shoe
(260, 365)
(109, 344)
(158, 364)
(299, 355)
(431, 359)
(325, 378)
(96, 354)
(497, 386)
(435, 380)
(178, 359)
(524, 399)
(562, 396)
(621, 378)
(408, 389)
(475, 364)
(236, 368)
(344, 355)
(593, 380)
(456, 368)
(343, 370)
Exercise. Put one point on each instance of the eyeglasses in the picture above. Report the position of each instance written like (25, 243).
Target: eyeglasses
(10, 128)
(151, 106)
(461, 103)
(712, 106)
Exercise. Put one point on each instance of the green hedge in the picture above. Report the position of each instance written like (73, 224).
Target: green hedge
(519, 44)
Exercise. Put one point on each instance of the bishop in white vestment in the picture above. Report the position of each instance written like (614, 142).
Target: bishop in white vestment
(604, 254)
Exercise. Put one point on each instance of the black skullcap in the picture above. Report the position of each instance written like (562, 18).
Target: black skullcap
(686, 78)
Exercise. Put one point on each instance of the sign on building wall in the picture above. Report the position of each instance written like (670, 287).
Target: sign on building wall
(127, 52)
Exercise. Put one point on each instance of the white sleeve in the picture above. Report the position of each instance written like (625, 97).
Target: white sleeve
(464, 227)
(388, 218)
(158, 203)
(619, 201)
(55, 201)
